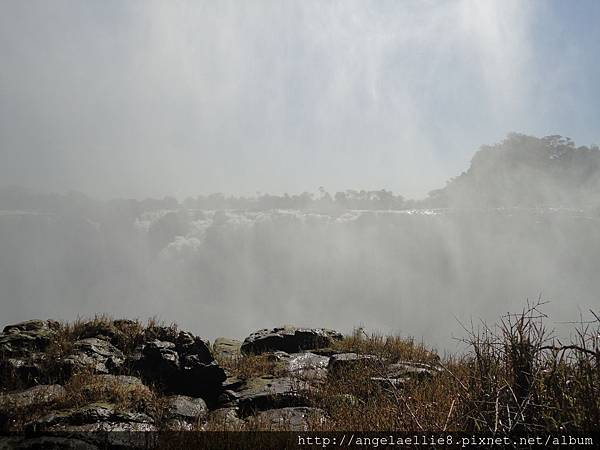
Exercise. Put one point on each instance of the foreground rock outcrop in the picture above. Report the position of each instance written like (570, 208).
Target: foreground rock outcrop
(289, 339)
(116, 375)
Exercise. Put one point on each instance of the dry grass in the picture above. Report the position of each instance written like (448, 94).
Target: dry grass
(390, 348)
(514, 378)
(249, 366)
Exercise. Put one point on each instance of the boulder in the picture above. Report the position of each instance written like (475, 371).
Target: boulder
(25, 370)
(182, 367)
(291, 419)
(36, 396)
(226, 348)
(307, 366)
(289, 339)
(183, 412)
(225, 419)
(27, 337)
(268, 392)
(97, 354)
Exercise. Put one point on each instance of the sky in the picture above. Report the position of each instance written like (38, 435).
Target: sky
(153, 98)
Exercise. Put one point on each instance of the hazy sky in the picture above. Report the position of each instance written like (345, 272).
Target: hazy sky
(142, 98)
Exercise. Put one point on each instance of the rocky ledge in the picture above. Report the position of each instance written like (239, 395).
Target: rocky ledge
(117, 375)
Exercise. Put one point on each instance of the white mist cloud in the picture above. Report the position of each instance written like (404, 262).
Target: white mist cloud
(155, 98)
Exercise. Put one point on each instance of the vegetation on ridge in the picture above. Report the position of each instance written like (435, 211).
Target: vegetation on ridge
(514, 378)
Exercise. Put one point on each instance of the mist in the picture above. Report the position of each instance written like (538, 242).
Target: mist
(118, 120)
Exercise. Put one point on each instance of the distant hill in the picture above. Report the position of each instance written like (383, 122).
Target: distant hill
(526, 171)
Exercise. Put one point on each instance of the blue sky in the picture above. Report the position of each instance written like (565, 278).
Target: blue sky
(144, 98)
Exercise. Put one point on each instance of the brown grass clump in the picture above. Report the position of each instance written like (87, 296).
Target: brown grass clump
(390, 348)
(249, 366)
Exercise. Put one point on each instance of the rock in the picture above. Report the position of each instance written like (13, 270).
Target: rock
(26, 370)
(225, 419)
(400, 373)
(292, 419)
(307, 366)
(36, 396)
(226, 348)
(183, 412)
(278, 356)
(411, 370)
(27, 337)
(123, 380)
(268, 392)
(50, 443)
(289, 339)
(99, 355)
(93, 417)
(342, 362)
(185, 367)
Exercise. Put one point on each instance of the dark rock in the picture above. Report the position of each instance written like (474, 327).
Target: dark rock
(289, 339)
(226, 348)
(36, 396)
(183, 412)
(50, 443)
(293, 419)
(25, 370)
(186, 367)
(268, 392)
(97, 354)
(27, 337)
(188, 344)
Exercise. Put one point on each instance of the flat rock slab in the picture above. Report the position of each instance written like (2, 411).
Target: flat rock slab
(289, 339)
(262, 393)
(226, 348)
(46, 443)
(93, 417)
(184, 408)
(36, 396)
(307, 366)
(410, 370)
(292, 419)
(225, 419)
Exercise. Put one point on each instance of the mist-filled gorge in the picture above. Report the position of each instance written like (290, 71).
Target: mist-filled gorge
(397, 267)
